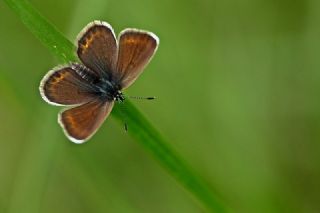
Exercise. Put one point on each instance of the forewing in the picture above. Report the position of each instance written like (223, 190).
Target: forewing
(67, 86)
(97, 48)
(136, 48)
(81, 122)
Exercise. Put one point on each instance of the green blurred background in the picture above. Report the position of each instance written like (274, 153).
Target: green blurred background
(238, 86)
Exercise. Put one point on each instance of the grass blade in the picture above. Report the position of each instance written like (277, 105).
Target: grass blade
(140, 128)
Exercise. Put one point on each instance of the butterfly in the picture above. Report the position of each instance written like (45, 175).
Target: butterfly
(90, 89)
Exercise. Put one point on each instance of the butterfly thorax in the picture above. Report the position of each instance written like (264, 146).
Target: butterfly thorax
(108, 90)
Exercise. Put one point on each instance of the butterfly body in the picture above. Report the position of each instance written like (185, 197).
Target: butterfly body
(109, 90)
(90, 89)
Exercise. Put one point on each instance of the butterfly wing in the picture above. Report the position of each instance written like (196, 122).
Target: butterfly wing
(97, 48)
(136, 48)
(68, 85)
(81, 122)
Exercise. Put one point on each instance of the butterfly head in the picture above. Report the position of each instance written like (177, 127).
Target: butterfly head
(119, 96)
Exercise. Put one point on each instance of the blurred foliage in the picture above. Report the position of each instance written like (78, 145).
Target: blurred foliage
(237, 85)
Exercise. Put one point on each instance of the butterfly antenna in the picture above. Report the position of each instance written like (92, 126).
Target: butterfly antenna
(132, 97)
(142, 98)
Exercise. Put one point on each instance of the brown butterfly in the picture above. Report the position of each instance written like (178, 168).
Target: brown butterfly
(91, 88)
